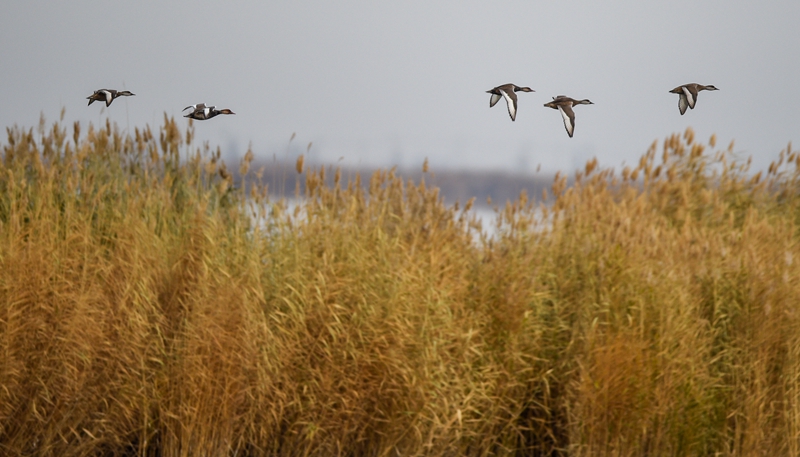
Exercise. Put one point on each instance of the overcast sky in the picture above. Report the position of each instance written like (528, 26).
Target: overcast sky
(390, 83)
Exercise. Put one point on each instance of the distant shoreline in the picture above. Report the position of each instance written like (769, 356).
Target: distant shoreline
(454, 185)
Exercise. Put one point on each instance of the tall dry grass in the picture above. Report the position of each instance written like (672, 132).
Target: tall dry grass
(150, 307)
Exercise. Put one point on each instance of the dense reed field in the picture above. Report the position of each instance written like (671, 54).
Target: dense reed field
(150, 305)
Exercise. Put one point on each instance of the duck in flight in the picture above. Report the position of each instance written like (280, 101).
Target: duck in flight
(507, 91)
(107, 95)
(688, 95)
(564, 105)
(201, 112)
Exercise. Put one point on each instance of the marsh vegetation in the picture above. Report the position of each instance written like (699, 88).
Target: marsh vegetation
(149, 307)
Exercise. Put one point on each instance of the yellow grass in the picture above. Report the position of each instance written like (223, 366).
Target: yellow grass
(149, 307)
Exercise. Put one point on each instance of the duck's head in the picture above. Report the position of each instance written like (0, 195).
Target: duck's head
(524, 89)
(584, 102)
(126, 93)
(226, 111)
(710, 87)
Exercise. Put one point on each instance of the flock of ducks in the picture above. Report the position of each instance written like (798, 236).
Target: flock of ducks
(564, 104)
(200, 111)
(687, 99)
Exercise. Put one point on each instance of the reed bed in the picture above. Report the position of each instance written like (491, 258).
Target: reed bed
(151, 305)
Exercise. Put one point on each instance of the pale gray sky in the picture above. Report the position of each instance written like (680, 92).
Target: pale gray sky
(385, 83)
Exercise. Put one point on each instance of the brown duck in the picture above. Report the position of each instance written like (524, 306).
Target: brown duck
(201, 112)
(564, 105)
(107, 95)
(688, 95)
(507, 91)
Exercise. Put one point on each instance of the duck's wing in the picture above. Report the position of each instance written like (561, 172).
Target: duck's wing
(511, 100)
(195, 110)
(691, 96)
(197, 114)
(493, 101)
(569, 118)
(196, 107)
(683, 103)
(107, 95)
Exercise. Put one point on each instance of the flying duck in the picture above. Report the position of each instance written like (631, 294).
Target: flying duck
(688, 95)
(201, 112)
(507, 91)
(564, 105)
(107, 95)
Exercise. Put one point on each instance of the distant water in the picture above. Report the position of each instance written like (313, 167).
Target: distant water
(486, 215)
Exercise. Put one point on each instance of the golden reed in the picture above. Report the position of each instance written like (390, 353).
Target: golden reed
(153, 304)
